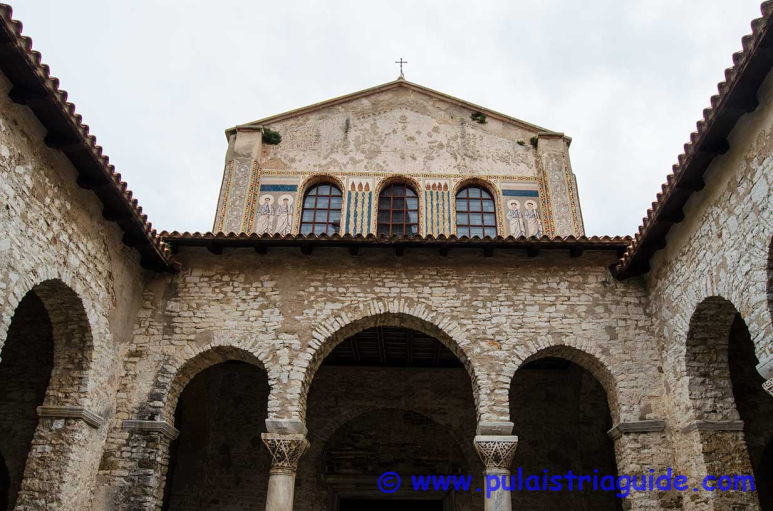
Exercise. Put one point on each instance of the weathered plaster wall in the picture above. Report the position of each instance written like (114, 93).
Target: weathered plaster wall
(52, 233)
(400, 131)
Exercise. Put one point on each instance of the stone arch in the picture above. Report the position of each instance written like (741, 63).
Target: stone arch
(563, 406)
(321, 437)
(332, 331)
(706, 360)
(715, 432)
(587, 357)
(490, 188)
(175, 373)
(48, 349)
(73, 338)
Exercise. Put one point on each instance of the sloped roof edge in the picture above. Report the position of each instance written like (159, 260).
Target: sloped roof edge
(400, 82)
(737, 96)
(33, 86)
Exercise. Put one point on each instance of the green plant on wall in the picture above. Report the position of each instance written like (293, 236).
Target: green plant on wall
(478, 117)
(271, 137)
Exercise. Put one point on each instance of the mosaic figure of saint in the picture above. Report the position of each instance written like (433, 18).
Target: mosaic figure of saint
(265, 215)
(515, 218)
(284, 215)
(531, 217)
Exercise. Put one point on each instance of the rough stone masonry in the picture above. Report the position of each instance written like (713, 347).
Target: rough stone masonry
(401, 283)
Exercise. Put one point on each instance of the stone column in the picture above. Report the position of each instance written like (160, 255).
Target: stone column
(286, 450)
(63, 459)
(497, 453)
(641, 446)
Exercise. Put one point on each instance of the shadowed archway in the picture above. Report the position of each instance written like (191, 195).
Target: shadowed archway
(725, 392)
(219, 462)
(44, 362)
(403, 402)
(561, 415)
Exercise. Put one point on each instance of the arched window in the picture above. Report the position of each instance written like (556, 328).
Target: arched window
(475, 213)
(321, 209)
(398, 211)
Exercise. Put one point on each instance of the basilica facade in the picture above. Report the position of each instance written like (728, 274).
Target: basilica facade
(397, 282)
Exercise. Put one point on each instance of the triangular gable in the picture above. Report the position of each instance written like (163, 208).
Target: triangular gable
(400, 82)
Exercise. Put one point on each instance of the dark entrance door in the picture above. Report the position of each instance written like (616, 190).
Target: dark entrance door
(390, 505)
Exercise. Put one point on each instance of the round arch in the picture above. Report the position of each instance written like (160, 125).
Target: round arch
(705, 361)
(591, 362)
(175, 373)
(321, 438)
(306, 185)
(329, 333)
(486, 185)
(392, 180)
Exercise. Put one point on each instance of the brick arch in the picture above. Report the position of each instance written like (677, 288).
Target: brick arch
(332, 331)
(320, 440)
(589, 358)
(176, 372)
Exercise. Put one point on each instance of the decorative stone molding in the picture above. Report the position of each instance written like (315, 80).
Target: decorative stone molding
(488, 428)
(648, 426)
(162, 427)
(768, 386)
(72, 412)
(286, 426)
(765, 368)
(285, 451)
(713, 426)
(496, 451)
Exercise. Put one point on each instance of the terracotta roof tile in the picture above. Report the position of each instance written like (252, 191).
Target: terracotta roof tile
(737, 95)
(34, 86)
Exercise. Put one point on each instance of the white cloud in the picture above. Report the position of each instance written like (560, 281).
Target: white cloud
(159, 81)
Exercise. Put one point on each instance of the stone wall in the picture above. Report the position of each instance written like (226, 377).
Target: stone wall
(55, 243)
(715, 264)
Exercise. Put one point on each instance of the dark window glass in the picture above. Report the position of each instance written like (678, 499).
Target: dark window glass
(471, 204)
(321, 210)
(398, 211)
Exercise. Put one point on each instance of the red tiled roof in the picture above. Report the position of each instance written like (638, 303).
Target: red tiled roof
(34, 86)
(215, 242)
(737, 96)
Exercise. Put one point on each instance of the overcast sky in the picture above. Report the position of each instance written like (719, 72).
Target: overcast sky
(159, 81)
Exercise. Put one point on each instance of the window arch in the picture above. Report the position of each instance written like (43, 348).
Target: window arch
(321, 209)
(475, 212)
(398, 211)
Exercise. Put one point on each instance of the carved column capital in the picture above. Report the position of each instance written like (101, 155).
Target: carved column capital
(768, 386)
(496, 451)
(286, 450)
